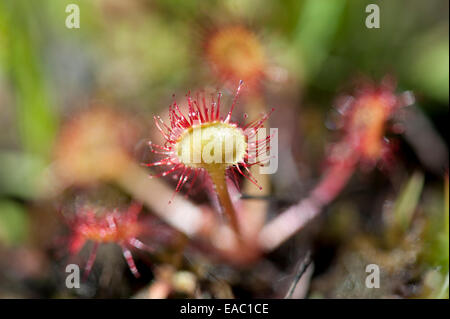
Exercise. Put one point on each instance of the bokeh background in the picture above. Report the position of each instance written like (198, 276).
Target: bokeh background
(132, 56)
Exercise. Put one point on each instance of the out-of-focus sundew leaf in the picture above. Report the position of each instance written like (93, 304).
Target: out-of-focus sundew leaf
(14, 223)
(36, 120)
(313, 36)
(406, 203)
(19, 174)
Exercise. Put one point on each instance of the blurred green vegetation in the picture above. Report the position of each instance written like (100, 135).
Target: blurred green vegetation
(36, 120)
(406, 203)
(136, 53)
(436, 252)
(14, 223)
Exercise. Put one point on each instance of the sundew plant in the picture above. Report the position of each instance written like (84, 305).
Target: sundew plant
(224, 149)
